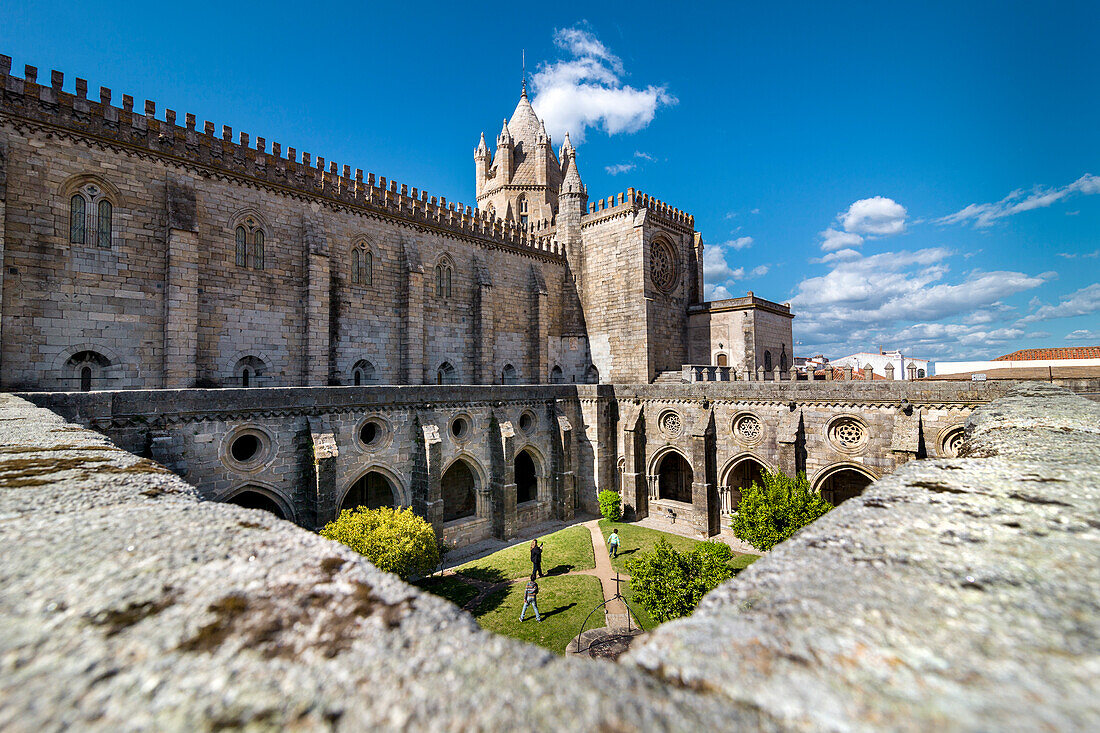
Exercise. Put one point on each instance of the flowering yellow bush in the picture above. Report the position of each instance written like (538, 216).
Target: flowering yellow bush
(397, 541)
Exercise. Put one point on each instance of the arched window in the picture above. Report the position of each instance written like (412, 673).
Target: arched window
(85, 379)
(443, 279)
(491, 211)
(249, 371)
(91, 216)
(767, 361)
(556, 375)
(363, 373)
(249, 236)
(86, 368)
(783, 360)
(523, 210)
(509, 375)
(592, 374)
(362, 265)
(446, 373)
(77, 206)
(723, 360)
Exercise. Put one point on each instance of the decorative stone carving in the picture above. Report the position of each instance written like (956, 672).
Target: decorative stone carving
(847, 434)
(748, 429)
(951, 442)
(662, 266)
(671, 425)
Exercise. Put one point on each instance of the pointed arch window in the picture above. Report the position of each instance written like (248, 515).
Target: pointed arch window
(523, 218)
(509, 375)
(362, 265)
(249, 239)
(443, 273)
(91, 216)
(363, 373)
(446, 374)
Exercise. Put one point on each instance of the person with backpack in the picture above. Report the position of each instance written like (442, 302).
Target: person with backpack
(530, 598)
(613, 543)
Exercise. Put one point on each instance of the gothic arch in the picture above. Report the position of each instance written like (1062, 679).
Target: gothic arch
(229, 366)
(730, 495)
(821, 479)
(362, 261)
(674, 478)
(455, 506)
(541, 473)
(400, 492)
(105, 364)
(285, 506)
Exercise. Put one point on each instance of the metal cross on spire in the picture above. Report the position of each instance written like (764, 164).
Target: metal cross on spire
(523, 60)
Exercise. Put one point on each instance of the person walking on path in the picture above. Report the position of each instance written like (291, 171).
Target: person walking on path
(530, 598)
(536, 559)
(613, 544)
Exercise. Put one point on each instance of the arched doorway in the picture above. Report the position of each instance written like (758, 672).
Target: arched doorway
(459, 498)
(255, 500)
(723, 360)
(527, 482)
(372, 490)
(739, 478)
(674, 478)
(843, 484)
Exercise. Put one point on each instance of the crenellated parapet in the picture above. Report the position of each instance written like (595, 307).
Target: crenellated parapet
(637, 200)
(24, 101)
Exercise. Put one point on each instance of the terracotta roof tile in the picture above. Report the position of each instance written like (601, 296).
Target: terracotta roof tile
(1069, 352)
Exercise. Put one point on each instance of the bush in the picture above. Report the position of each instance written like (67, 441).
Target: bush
(773, 512)
(611, 505)
(669, 583)
(397, 541)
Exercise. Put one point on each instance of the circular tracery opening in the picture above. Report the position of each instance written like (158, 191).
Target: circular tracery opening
(460, 427)
(245, 448)
(671, 424)
(370, 433)
(663, 265)
(952, 442)
(747, 428)
(527, 422)
(847, 434)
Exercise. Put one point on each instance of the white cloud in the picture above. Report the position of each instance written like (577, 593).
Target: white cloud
(755, 211)
(834, 240)
(1079, 303)
(1082, 334)
(1074, 255)
(715, 267)
(985, 215)
(759, 271)
(904, 299)
(711, 292)
(1037, 335)
(644, 156)
(877, 216)
(586, 90)
(740, 243)
(618, 168)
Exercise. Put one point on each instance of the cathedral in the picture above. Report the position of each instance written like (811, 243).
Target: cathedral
(140, 253)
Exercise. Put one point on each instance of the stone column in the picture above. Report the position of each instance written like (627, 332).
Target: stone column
(789, 441)
(181, 297)
(428, 477)
(503, 489)
(315, 369)
(414, 370)
(636, 488)
(704, 487)
(485, 370)
(323, 507)
(652, 481)
(565, 480)
(540, 328)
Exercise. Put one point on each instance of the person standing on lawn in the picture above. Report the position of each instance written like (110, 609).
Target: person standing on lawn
(530, 598)
(536, 559)
(613, 543)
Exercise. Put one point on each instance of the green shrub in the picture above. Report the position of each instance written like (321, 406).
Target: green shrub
(397, 541)
(669, 584)
(773, 512)
(611, 505)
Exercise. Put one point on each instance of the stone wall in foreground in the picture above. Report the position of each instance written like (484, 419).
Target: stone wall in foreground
(956, 594)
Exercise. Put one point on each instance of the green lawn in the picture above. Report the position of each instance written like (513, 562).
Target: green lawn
(634, 540)
(452, 588)
(642, 616)
(565, 550)
(563, 601)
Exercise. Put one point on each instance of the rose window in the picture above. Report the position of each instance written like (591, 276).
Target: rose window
(663, 266)
(747, 428)
(953, 442)
(848, 434)
(670, 424)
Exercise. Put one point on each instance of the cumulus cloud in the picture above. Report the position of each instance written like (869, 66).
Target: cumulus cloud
(1083, 334)
(585, 89)
(906, 300)
(715, 267)
(1074, 255)
(618, 168)
(716, 292)
(759, 271)
(739, 243)
(877, 216)
(644, 156)
(985, 215)
(1079, 303)
(833, 240)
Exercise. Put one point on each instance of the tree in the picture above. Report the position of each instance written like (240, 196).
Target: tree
(773, 512)
(669, 583)
(397, 541)
(611, 505)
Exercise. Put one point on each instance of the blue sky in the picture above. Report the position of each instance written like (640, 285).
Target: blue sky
(916, 176)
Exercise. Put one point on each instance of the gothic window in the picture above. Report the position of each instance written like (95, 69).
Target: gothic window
(443, 272)
(87, 368)
(445, 374)
(509, 375)
(767, 361)
(491, 211)
(523, 211)
(592, 375)
(556, 375)
(364, 373)
(249, 239)
(362, 264)
(249, 371)
(783, 360)
(91, 216)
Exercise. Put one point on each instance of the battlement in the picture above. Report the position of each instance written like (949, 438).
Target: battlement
(639, 200)
(750, 300)
(24, 98)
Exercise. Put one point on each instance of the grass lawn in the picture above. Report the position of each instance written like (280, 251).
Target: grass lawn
(565, 550)
(642, 615)
(450, 587)
(634, 540)
(563, 601)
